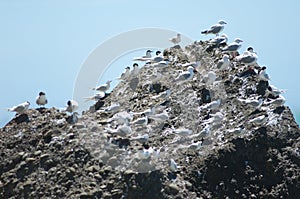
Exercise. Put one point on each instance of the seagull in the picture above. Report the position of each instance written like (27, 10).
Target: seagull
(278, 101)
(141, 121)
(125, 74)
(223, 63)
(162, 95)
(234, 46)
(203, 133)
(145, 153)
(182, 131)
(193, 146)
(173, 165)
(163, 63)
(275, 91)
(122, 130)
(160, 117)
(135, 70)
(263, 75)
(259, 120)
(215, 29)
(185, 76)
(72, 106)
(142, 138)
(176, 40)
(121, 117)
(145, 57)
(249, 57)
(217, 117)
(222, 39)
(103, 87)
(147, 112)
(95, 97)
(212, 105)
(113, 108)
(193, 64)
(20, 108)
(210, 77)
(41, 100)
(255, 103)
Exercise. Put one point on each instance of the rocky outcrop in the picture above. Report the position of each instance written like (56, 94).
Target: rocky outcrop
(235, 149)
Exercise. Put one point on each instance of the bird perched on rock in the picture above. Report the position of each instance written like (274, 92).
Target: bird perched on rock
(125, 74)
(72, 106)
(215, 29)
(223, 63)
(222, 39)
(173, 165)
(145, 57)
(141, 121)
(262, 75)
(249, 57)
(20, 108)
(176, 40)
(233, 47)
(41, 99)
(104, 87)
(95, 97)
(186, 76)
(135, 70)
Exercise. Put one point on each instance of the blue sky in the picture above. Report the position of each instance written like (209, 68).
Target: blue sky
(44, 43)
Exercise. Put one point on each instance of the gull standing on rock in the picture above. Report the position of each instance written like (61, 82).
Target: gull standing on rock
(215, 29)
(186, 76)
(125, 74)
(176, 40)
(135, 70)
(233, 47)
(20, 108)
(72, 106)
(263, 74)
(145, 57)
(173, 165)
(103, 87)
(223, 63)
(249, 57)
(141, 121)
(41, 100)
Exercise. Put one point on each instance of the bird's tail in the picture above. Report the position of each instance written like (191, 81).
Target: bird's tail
(204, 32)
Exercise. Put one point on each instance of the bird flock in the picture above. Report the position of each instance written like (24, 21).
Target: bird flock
(125, 123)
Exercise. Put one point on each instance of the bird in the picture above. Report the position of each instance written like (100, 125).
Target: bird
(193, 146)
(275, 91)
(185, 76)
(20, 108)
(215, 29)
(145, 57)
(222, 39)
(212, 105)
(173, 165)
(72, 106)
(160, 116)
(147, 112)
(121, 118)
(234, 46)
(277, 102)
(145, 153)
(162, 95)
(163, 63)
(41, 99)
(262, 75)
(216, 118)
(112, 108)
(141, 121)
(141, 138)
(125, 74)
(255, 103)
(223, 63)
(135, 70)
(249, 57)
(103, 87)
(176, 40)
(259, 120)
(122, 130)
(210, 77)
(182, 131)
(95, 97)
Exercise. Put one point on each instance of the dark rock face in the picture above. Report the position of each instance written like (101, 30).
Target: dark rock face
(47, 154)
